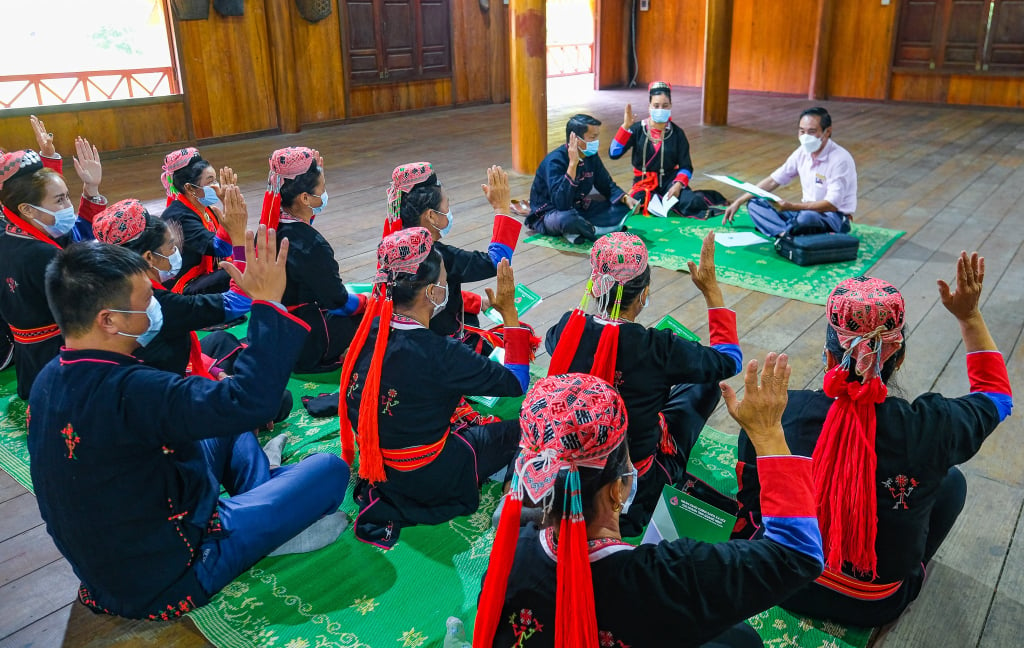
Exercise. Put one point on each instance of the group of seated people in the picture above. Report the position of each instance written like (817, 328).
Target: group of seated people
(135, 424)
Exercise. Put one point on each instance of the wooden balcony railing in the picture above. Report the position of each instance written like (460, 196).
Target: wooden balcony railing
(23, 90)
(565, 60)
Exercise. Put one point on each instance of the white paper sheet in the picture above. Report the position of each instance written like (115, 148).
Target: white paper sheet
(738, 239)
(745, 186)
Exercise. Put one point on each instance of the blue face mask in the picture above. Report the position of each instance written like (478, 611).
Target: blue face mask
(175, 260)
(592, 148)
(209, 198)
(451, 221)
(632, 491)
(156, 321)
(323, 203)
(63, 221)
(660, 115)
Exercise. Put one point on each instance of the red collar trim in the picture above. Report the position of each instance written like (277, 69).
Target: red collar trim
(17, 225)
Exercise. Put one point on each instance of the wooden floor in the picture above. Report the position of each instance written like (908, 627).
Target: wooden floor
(953, 178)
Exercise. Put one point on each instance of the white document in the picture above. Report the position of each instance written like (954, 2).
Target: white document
(660, 207)
(738, 239)
(745, 186)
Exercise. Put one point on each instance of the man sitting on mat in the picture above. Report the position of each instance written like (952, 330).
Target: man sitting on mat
(828, 177)
(560, 198)
(127, 460)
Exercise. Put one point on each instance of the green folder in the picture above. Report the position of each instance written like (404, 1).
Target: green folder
(679, 515)
(669, 323)
(359, 288)
(525, 300)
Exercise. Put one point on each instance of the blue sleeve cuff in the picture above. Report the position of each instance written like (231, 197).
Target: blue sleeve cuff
(522, 372)
(222, 247)
(350, 306)
(499, 251)
(615, 149)
(798, 533)
(733, 351)
(235, 305)
(1003, 403)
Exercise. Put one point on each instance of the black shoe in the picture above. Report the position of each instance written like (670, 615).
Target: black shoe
(384, 536)
(226, 325)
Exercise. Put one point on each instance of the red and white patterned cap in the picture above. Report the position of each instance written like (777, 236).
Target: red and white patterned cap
(174, 161)
(403, 179)
(402, 253)
(659, 85)
(868, 316)
(567, 420)
(120, 223)
(291, 162)
(16, 163)
(616, 258)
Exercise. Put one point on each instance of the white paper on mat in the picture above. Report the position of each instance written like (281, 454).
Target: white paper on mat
(738, 239)
(659, 207)
(745, 186)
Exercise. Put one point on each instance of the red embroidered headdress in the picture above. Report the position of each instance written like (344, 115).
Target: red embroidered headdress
(568, 422)
(174, 161)
(13, 165)
(120, 223)
(403, 179)
(399, 254)
(868, 316)
(615, 259)
(285, 164)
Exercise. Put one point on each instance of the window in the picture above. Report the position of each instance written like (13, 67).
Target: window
(72, 51)
(397, 40)
(957, 36)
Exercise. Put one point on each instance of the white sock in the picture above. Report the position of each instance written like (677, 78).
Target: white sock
(316, 536)
(274, 449)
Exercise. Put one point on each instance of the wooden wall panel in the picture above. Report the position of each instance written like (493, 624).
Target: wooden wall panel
(110, 129)
(612, 43)
(228, 73)
(982, 91)
(772, 50)
(480, 52)
(374, 100)
(319, 66)
(861, 48)
(930, 88)
(670, 42)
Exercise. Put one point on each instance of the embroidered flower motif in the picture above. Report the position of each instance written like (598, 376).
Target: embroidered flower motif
(364, 605)
(834, 629)
(389, 400)
(900, 487)
(71, 439)
(297, 643)
(12, 285)
(525, 626)
(412, 639)
(235, 589)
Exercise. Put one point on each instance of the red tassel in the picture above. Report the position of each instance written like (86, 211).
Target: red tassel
(371, 461)
(575, 616)
(843, 467)
(348, 444)
(503, 553)
(568, 344)
(275, 212)
(666, 445)
(268, 197)
(606, 354)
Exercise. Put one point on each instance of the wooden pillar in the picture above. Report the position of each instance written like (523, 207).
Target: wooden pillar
(528, 69)
(717, 50)
(818, 88)
(280, 43)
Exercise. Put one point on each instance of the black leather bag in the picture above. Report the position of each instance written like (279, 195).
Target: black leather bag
(815, 249)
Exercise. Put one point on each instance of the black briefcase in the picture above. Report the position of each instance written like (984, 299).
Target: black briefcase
(815, 249)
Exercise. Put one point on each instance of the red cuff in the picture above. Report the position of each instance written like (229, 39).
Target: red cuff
(363, 301)
(683, 179)
(506, 231)
(622, 136)
(986, 372)
(517, 345)
(57, 164)
(223, 235)
(88, 210)
(471, 302)
(787, 489)
(722, 323)
(284, 312)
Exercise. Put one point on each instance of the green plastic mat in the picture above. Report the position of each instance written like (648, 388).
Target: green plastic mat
(354, 595)
(671, 242)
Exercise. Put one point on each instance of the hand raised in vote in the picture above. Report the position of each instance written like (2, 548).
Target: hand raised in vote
(497, 190)
(574, 152)
(764, 401)
(628, 117)
(970, 274)
(264, 277)
(44, 140)
(235, 216)
(225, 177)
(88, 166)
(504, 299)
(703, 275)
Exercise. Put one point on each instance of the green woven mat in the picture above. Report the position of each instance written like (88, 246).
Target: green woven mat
(671, 242)
(351, 594)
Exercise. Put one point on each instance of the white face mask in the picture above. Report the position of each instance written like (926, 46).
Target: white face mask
(810, 143)
(63, 221)
(438, 307)
(175, 260)
(660, 115)
(647, 300)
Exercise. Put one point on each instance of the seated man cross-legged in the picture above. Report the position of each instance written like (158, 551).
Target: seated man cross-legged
(127, 460)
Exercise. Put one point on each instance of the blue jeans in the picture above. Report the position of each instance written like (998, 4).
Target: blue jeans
(775, 223)
(267, 507)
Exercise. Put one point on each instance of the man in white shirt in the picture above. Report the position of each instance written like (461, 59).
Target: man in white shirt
(828, 177)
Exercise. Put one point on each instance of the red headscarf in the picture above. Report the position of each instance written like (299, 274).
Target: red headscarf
(12, 165)
(174, 161)
(285, 164)
(403, 179)
(868, 316)
(568, 422)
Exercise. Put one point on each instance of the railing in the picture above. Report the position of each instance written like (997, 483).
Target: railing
(566, 60)
(75, 87)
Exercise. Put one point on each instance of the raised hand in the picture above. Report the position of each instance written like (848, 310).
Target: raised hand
(497, 190)
(574, 153)
(44, 140)
(88, 166)
(504, 300)
(235, 216)
(970, 274)
(764, 401)
(264, 277)
(628, 117)
(703, 275)
(225, 177)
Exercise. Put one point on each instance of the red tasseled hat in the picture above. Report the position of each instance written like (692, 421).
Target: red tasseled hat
(174, 161)
(403, 179)
(285, 164)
